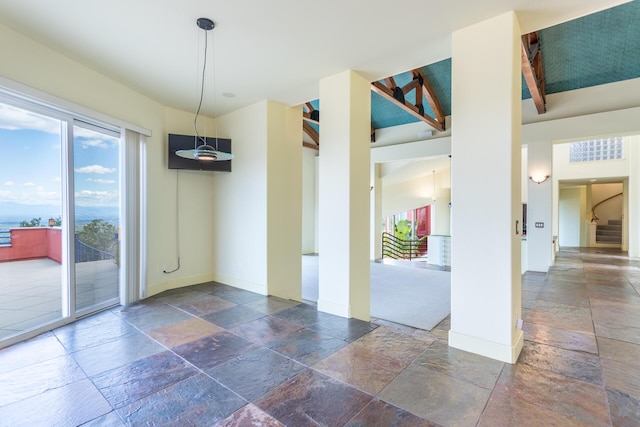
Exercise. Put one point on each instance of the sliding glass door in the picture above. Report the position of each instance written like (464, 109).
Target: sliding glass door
(31, 232)
(96, 171)
(59, 218)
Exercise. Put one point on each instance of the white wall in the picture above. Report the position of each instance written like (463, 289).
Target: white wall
(611, 209)
(309, 156)
(571, 209)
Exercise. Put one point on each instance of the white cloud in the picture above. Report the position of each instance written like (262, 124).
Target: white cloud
(9, 183)
(101, 181)
(28, 184)
(31, 198)
(97, 198)
(99, 143)
(12, 118)
(95, 169)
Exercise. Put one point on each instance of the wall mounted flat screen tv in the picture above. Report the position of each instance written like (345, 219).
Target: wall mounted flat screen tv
(187, 142)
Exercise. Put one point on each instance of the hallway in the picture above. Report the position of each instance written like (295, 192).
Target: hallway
(210, 354)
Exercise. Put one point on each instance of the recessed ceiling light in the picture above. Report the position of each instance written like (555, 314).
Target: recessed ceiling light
(593, 180)
(229, 94)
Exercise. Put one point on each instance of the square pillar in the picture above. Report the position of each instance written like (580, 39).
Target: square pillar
(539, 207)
(376, 212)
(486, 185)
(284, 201)
(344, 195)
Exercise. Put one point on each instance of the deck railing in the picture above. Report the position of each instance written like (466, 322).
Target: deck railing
(395, 248)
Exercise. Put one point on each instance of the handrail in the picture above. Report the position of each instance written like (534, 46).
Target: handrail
(396, 248)
(5, 237)
(86, 253)
(594, 217)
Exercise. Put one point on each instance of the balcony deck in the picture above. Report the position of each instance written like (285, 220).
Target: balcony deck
(31, 291)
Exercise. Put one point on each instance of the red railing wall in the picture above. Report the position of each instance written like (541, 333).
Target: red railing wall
(33, 242)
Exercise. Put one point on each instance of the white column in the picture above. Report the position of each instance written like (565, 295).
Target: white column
(486, 187)
(539, 237)
(344, 181)
(632, 147)
(284, 201)
(376, 212)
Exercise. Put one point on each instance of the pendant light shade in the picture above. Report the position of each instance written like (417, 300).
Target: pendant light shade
(202, 150)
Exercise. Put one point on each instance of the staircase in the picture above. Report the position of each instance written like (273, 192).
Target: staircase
(610, 233)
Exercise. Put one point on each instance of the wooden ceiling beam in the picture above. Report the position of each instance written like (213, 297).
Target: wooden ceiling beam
(387, 93)
(533, 70)
(309, 130)
(430, 95)
(310, 145)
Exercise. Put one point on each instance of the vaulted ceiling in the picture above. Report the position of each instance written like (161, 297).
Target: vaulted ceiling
(280, 50)
(596, 49)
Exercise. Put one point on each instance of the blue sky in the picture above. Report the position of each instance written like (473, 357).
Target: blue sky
(30, 162)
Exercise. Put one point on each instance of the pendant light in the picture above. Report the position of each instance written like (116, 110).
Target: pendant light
(202, 150)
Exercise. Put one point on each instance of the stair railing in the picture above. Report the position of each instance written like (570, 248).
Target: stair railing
(393, 247)
(594, 217)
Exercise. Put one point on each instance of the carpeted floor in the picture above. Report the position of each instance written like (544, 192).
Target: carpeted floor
(410, 296)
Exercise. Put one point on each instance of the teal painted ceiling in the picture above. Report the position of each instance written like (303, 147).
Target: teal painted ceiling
(593, 50)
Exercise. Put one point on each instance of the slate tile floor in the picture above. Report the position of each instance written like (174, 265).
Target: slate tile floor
(218, 356)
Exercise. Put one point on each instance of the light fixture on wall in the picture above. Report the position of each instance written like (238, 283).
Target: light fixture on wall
(539, 179)
(201, 149)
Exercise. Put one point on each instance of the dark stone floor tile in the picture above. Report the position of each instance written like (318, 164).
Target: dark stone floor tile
(561, 316)
(148, 318)
(121, 352)
(196, 401)
(232, 317)
(572, 398)
(236, 295)
(562, 338)
(255, 373)
(395, 343)
(112, 419)
(179, 296)
(54, 407)
(265, 329)
(206, 305)
(311, 398)
(37, 378)
(342, 328)
(478, 370)
(271, 305)
(307, 346)
(249, 415)
(93, 331)
(38, 349)
(436, 397)
(574, 364)
(625, 410)
(122, 386)
(303, 314)
(360, 367)
(381, 414)
(183, 332)
(211, 351)
(508, 410)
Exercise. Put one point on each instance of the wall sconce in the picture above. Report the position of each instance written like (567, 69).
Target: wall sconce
(539, 179)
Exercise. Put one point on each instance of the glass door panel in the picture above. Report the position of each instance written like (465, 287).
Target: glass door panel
(31, 234)
(96, 154)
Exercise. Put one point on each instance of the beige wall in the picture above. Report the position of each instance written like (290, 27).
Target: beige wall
(37, 66)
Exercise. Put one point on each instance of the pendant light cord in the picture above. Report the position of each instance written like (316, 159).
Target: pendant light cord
(177, 224)
(204, 68)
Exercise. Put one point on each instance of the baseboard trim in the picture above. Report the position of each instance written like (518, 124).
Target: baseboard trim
(503, 352)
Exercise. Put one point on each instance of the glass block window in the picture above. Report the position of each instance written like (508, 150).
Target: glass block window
(597, 149)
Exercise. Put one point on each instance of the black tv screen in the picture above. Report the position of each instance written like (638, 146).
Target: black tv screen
(187, 142)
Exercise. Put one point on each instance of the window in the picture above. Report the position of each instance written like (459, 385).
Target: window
(597, 149)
